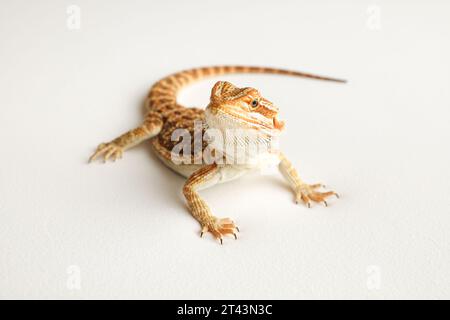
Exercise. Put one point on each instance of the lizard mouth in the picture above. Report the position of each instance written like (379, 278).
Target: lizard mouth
(233, 120)
(278, 124)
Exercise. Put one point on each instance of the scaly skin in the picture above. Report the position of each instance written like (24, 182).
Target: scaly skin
(243, 107)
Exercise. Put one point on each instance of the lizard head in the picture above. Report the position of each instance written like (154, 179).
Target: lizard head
(242, 108)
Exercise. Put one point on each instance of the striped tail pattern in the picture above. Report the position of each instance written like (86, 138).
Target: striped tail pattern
(162, 98)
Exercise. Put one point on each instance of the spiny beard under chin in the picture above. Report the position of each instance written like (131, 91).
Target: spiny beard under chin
(233, 138)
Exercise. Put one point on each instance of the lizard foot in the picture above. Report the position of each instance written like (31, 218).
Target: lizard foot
(220, 228)
(307, 193)
(108, 150)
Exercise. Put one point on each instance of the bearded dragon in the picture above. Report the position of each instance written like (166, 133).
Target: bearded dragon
(230, 107)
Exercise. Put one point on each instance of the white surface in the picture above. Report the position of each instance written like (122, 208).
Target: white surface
(382, 141)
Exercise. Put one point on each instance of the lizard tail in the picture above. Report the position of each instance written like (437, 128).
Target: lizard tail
(162, 97)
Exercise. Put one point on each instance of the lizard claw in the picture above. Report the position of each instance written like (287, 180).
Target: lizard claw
(108, 150)
(307, 193)
(219, 228)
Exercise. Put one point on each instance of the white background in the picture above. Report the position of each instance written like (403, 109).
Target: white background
(73, 230)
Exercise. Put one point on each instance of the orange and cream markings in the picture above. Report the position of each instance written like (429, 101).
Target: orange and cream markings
(237, 133)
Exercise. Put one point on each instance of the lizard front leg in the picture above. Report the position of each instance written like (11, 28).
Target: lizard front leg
(150, 127)
(303, 192)
(205, 177)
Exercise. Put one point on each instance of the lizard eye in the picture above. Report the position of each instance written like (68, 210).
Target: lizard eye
(255, 103)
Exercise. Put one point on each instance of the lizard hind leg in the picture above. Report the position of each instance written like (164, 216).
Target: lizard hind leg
(114, 149)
